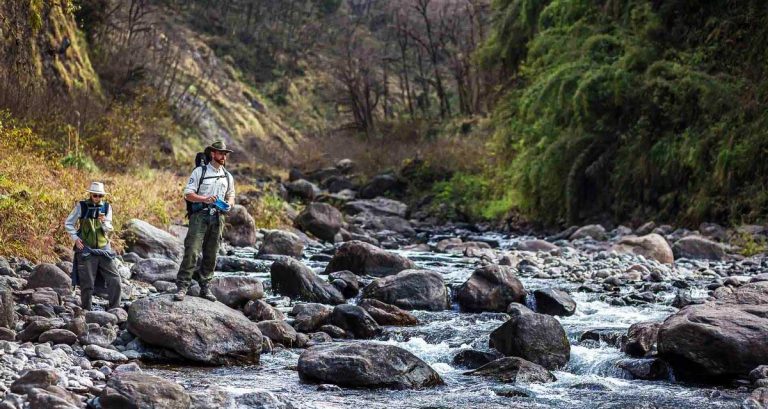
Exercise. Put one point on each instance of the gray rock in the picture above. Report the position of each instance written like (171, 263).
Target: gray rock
(366, 365)
(535, 337)
(292, 278)
(310, 316)
(355, 321)
(104, 354)
(279, 242)
(320, 219)
(491, 288)
(102, 318)
(551, 301)
(235, 291)
(537, 246)
(142, 391)
(411, 290)
(387, 314)
(473, 359)
(379, 206)
(48, 275)
(197, 329)
(150, 242)
(514, 370)
(697, 247)
(641, 339)
(102, 336)
(302, 189)
(351, 285)
(647, 369)
(279, 332)
(366, 259)
(651, 246)
(240, 228)
(259, 310)
(593, 231)
(58, 336)
(7, 308)
(155, 269)
(36, 378)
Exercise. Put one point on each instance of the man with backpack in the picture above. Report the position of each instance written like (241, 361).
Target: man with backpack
(93, 254)
(210, 193)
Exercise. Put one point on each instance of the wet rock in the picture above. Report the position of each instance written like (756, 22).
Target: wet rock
(473, 359)
(411, 290)
(456, 246)
(387, 314)
(142, 391)
(334, 331)
(36, 378)
(310, 316)
(758, 399)
(761, 372)
(259, 310)
(155, 269)
(535, 337)
(150, 242)
(279, 332)
(714, 342)
(749, 294)
(104, 354)
(610, 336)
(697, 247)
(641, 339)
(514, 370)
(320, 219)
(279, 242)
(593, 231)
(292, 278)
(355, 321)
(537, 246)
(302, 189)
(240, 228)
(197, 329)
(351, 285)
(366, 259)
(515, 309)
(235, 291)
(366, 365)
(48, 275)
(255, 398)
(651, 246)
(58, 336)
(491, 288)
(239, 264)
(647, 369)
(551, 301)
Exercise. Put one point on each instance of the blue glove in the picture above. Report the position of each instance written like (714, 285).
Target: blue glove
(221, 205)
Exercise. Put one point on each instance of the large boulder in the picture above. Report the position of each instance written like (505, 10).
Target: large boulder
(235, 291)
(148, 241)
(366, 365)
(240, 228)
(366, 259)
(651, 246)
(141, 391)
(48, 275)
(283, 243)
(712, 342)
(292, 278)
(512, 369)
(355, 320)
(320, 219)
(310, 316)
(150, 270)
(302, 189)
(697, 247)
(752, 294)
(197, 329)
(491, 288)
(535, 337)
(593, 231)
(411, 290)
(387, 314)
(552, 301)
(641, 339)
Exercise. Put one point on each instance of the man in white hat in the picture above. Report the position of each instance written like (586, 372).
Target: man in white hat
(93, 254)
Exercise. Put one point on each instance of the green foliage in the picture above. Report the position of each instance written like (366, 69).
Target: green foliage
(36, 15)
(629, 111)
(79, 161)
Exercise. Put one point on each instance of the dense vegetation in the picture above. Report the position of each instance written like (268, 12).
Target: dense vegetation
(627, 110)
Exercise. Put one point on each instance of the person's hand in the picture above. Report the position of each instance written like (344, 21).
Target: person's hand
(102, 218)
(210, 199)
(79, 244)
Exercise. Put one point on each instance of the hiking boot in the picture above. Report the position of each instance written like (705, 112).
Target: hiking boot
(180, 293)
(206, 293)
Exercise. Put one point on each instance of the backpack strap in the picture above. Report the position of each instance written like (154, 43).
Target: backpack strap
(202, 176)
(83, 209)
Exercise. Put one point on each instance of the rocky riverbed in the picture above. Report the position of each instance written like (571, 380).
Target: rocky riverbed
(366, 306)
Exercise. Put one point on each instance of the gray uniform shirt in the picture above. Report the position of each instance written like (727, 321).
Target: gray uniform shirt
(212, 185)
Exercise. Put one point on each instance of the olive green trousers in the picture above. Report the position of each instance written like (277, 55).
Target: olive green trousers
(204, 236)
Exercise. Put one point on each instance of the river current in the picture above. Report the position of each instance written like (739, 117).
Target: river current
(590, 380)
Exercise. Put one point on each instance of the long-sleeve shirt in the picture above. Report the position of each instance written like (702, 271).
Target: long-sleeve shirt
(217, 183)
(74, 216)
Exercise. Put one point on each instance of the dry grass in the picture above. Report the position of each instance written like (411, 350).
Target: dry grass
(37, 193)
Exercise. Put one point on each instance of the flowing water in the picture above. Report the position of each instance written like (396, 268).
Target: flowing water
(590, 380)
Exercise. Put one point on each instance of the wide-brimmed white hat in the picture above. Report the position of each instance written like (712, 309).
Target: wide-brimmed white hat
(96, 188)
